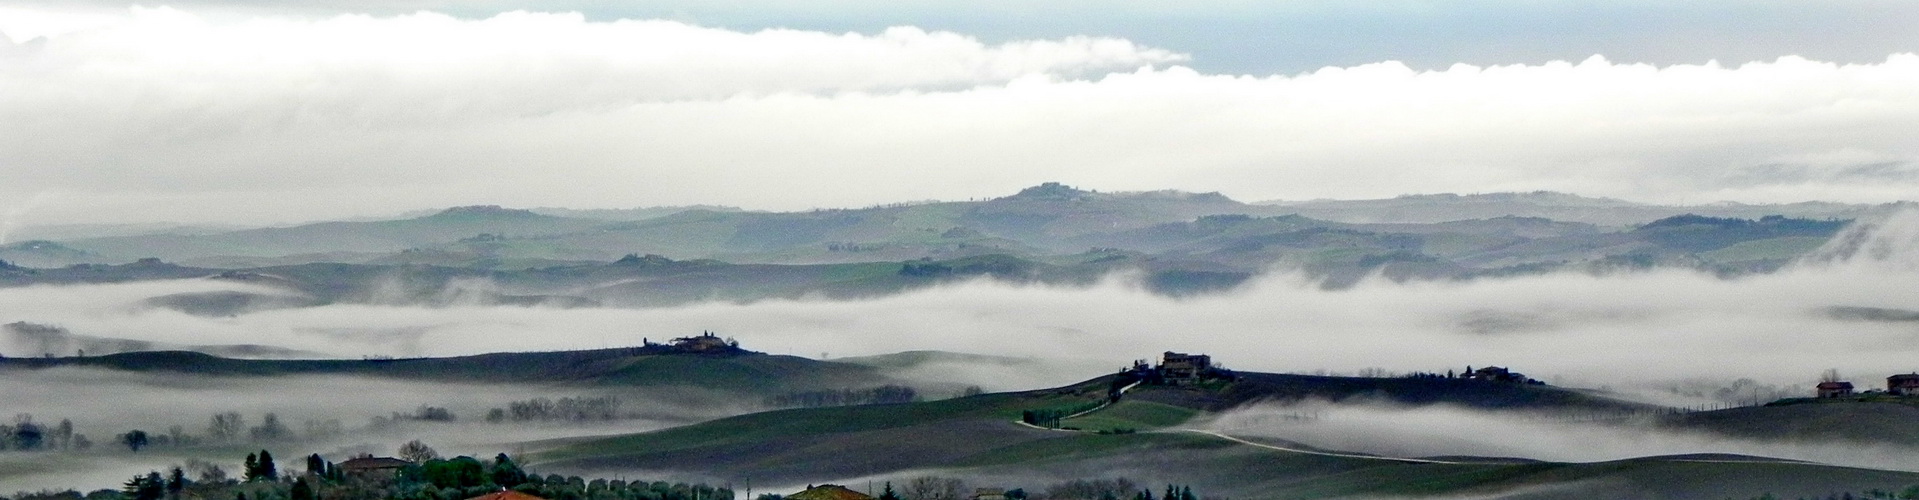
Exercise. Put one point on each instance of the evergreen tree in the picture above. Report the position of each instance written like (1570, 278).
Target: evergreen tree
(506, 473)
(267, 469)
(176, 482)
(252, 468)
(147, 487)
(316, 465)
(888, 493)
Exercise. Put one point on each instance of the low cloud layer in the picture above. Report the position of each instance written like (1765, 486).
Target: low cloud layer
(160, 114)
(1668, 336)
(103, 404)
(1670, 331)
(1456, 432)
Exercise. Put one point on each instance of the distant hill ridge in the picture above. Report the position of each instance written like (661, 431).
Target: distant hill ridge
(488, 211)
(1183, 243)
(705, 362)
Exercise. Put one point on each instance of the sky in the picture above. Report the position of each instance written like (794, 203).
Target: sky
(275, 112)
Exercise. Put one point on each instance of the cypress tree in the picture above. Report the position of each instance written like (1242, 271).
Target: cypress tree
(267, 470)
(176, 483)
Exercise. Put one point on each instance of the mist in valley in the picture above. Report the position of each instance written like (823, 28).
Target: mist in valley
(335, 416)
(1443, 432)
(1575, 329)
(1672, 337)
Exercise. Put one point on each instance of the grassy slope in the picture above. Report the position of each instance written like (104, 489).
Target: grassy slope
(1132, 414)
(979, 433)
(1874, 422)
(841, 441)
(1471, 393)
(966, 434)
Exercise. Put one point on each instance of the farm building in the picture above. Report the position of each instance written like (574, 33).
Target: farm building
(371, 467)
(1903, 384)
(829, 492)
(1180, 368)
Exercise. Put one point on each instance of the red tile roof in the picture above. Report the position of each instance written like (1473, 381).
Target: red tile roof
(506, 495)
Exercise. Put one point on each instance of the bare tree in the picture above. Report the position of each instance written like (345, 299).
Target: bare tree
(417, 451)
(270, 429)
(1830, 375)
(206, 472)
(934, 488)
(226, 427)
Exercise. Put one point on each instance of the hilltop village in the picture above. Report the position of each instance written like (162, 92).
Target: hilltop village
(1898, 386)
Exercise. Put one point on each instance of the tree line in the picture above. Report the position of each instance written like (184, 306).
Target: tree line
(1050, 417)
(27, 435)
(432, 479)
(950, 488)
(884, 394)
(580, 409)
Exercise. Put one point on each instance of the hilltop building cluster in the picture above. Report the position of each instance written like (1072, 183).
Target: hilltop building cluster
(1903, 385)
(1499, 374)
(704, 343)
(1176, 369)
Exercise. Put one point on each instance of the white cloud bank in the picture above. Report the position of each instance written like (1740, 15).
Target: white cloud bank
(164, 114)
(1441, 431)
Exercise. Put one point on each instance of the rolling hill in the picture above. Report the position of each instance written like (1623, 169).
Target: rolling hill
(1175, 243)
(658, 365)
(1444, 207)
(1044, 220)
(980, 437)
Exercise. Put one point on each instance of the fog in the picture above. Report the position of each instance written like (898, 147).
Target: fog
(1442, 431)
(1668, 336)
(1650, 331)
(104, 404)
(298, 118)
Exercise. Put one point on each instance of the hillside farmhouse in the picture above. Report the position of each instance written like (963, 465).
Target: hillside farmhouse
(1500, 374)
(829, 492)
(1901, 385)
(1906, 384)
(374, 468)
(704, 343)
(1181, 368)
(1829, 390)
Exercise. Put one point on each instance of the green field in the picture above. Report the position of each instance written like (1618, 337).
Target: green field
(1132, 415)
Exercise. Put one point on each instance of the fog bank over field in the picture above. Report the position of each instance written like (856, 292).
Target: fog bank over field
(1442, 431)
(1642, 331)
(333, 416)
